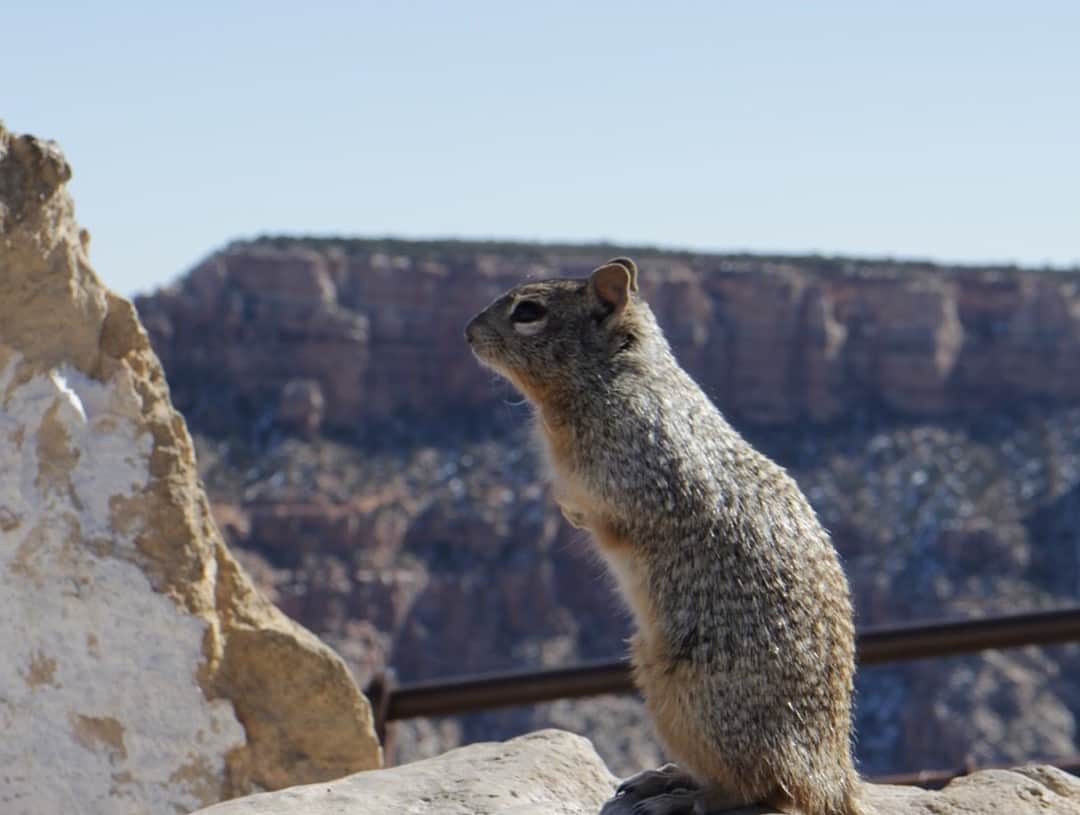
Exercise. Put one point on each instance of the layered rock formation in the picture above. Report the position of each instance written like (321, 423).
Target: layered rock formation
(142, 671)
(381, 486)
(375, 329)
(442, 561)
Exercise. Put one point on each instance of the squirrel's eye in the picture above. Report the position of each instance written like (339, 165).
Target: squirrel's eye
(528, 311)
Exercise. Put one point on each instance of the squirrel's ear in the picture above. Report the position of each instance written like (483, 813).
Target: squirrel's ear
(611, 284)
(630, 267)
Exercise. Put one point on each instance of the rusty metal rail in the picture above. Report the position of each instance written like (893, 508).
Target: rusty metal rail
(874, 646)
(936, 779)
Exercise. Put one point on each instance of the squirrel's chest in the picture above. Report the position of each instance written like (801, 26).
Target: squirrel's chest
(570, 493)
(631, 578)
(582, 507)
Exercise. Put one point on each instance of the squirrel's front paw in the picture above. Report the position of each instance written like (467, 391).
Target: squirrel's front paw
(667, 790)
(680, 802)
(648, 783)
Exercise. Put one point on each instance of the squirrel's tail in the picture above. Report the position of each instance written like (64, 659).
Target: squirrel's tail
(852, 803)
(853, 806)
(839, 799)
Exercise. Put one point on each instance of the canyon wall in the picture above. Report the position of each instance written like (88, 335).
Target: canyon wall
(369, 331)
(381, 488)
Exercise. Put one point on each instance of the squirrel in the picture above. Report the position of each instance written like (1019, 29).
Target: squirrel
(744, 643)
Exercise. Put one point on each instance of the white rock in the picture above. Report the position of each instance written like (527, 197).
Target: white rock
(100, 670)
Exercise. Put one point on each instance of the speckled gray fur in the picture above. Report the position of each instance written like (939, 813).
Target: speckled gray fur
(744, 615)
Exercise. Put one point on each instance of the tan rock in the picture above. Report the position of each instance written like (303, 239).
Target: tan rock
(142, 672)
(550, 772)
(1036, 790)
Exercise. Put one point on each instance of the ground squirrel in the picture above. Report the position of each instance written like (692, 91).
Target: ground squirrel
(744, 648)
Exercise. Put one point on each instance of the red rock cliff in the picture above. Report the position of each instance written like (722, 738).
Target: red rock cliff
(364, 330)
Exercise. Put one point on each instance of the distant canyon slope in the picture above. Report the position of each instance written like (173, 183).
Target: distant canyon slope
(379, 484)
(378, 326)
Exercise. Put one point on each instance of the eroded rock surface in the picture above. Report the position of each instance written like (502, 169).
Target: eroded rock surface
(142, 673)
(1022, 791)
(550, 772)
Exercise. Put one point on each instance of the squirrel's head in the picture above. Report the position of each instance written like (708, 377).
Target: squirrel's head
(557, 334)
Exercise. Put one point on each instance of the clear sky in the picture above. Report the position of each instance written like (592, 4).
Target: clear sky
(944, 130)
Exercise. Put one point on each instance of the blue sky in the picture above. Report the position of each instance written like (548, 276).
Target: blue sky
(943, 130)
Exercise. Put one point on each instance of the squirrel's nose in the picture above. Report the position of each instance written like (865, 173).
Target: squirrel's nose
(470, 330)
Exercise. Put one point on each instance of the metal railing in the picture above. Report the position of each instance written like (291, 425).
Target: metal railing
(936, 779)
(873, 646)
(392, 702)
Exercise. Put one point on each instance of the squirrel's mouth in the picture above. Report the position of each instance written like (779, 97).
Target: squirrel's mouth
(483, 342)
(485, 355)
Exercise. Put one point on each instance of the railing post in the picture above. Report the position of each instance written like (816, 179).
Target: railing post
(379, 691)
